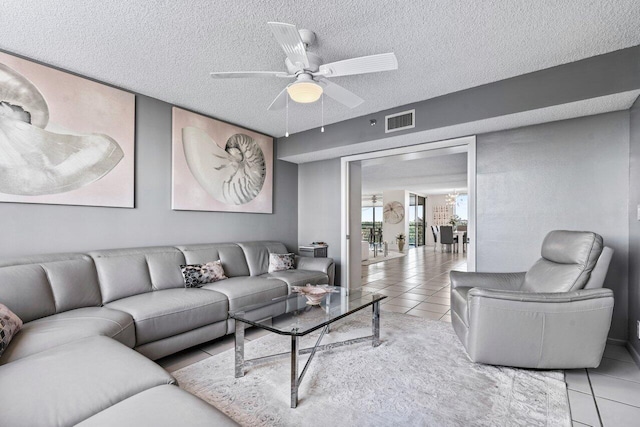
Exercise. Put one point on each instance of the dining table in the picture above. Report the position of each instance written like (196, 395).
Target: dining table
(460, 235)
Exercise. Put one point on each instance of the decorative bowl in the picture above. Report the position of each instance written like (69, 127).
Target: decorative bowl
(314, 294)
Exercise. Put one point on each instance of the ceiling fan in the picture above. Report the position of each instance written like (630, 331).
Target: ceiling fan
(310, 74)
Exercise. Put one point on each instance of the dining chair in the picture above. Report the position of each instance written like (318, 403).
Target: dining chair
(464, 241)
(447, 237)
(434, 231)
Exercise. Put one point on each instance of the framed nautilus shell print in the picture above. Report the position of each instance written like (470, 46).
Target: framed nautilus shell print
(220, 167)
(64, 139)
(393, 212)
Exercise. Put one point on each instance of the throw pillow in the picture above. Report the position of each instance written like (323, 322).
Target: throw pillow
(10, 324)
(280, 262)
(196, 275)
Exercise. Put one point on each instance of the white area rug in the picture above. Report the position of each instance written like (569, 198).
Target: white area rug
(419, 376)
(381, 258)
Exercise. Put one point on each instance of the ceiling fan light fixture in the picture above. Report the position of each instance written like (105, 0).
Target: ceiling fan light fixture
(305, 92)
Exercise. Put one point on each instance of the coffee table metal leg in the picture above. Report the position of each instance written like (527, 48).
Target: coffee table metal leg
(376, 324)
(294, 371)
(239, 349)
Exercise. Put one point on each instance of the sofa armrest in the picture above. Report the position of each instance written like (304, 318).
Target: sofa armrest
(541, 331)
(325, 265)
(546, 298)
(505, 281)
(313, 264)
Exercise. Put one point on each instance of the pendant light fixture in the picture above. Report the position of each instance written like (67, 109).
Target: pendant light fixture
(452, 198)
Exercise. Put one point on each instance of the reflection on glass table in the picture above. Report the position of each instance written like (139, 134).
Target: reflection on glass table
(291, 315)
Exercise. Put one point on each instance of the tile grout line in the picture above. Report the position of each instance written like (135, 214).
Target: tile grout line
(593, 396)
(613, 376)
(618, 402)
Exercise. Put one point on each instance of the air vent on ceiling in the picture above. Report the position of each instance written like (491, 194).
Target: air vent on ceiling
(400, 121)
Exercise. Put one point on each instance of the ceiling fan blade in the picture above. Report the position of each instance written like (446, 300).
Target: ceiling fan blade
(281, 100)
(289, 38)
(361, 65)
(248, 74)
(340, 94)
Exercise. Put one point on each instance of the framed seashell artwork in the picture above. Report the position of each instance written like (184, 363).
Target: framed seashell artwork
(219, 167)
(64, 139)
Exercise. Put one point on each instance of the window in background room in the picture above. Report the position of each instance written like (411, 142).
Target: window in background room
(412, 219)
(371, 228)
(462, 207)
(421, 223)
(416, 220)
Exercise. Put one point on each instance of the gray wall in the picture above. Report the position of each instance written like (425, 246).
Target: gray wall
(606, 74)
(319, 206)
(572, 174)
(634, 226)
(33, 229)
(355, 224)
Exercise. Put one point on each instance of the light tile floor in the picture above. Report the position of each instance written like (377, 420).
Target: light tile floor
(418, 284)
(608, 396)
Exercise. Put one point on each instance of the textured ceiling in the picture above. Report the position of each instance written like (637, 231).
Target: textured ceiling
(166, 49)
(432, 175)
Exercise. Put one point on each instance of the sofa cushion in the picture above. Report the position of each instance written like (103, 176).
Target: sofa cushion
(196, 275)
(62, 328)
(26, 291)
(126, 272)
(169, 312)
(39, 286)
(459, 303)
(162, 406)
(244, 291)
(69, 383)
(230, 254)
(257, 255)
(299, 277)
(568, 257)
(74, 283)
(10, 324)
(166, 346)
(281, 262)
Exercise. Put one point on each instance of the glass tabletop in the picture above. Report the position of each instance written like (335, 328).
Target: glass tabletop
(291, 315)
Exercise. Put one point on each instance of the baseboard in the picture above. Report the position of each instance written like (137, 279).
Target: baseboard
(634, 354)
(632, 351)
(616, 341)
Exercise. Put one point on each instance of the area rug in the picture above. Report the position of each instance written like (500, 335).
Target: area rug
(418, 376)
(382, 258)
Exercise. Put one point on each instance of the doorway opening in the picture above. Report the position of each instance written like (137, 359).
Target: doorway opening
(395, 201)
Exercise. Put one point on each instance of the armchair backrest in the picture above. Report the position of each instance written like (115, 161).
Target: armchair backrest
(599, 272)
(568, 258)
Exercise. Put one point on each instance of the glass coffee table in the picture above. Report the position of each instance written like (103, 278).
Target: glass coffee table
(291, 315)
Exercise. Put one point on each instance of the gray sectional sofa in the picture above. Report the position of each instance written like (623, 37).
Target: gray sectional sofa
(85, 314)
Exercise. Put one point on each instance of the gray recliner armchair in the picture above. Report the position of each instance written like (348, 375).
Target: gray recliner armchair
(554, 316)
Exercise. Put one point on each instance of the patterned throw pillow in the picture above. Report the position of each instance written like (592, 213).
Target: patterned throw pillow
(196, 275)
(10, 324)
(279, 262)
